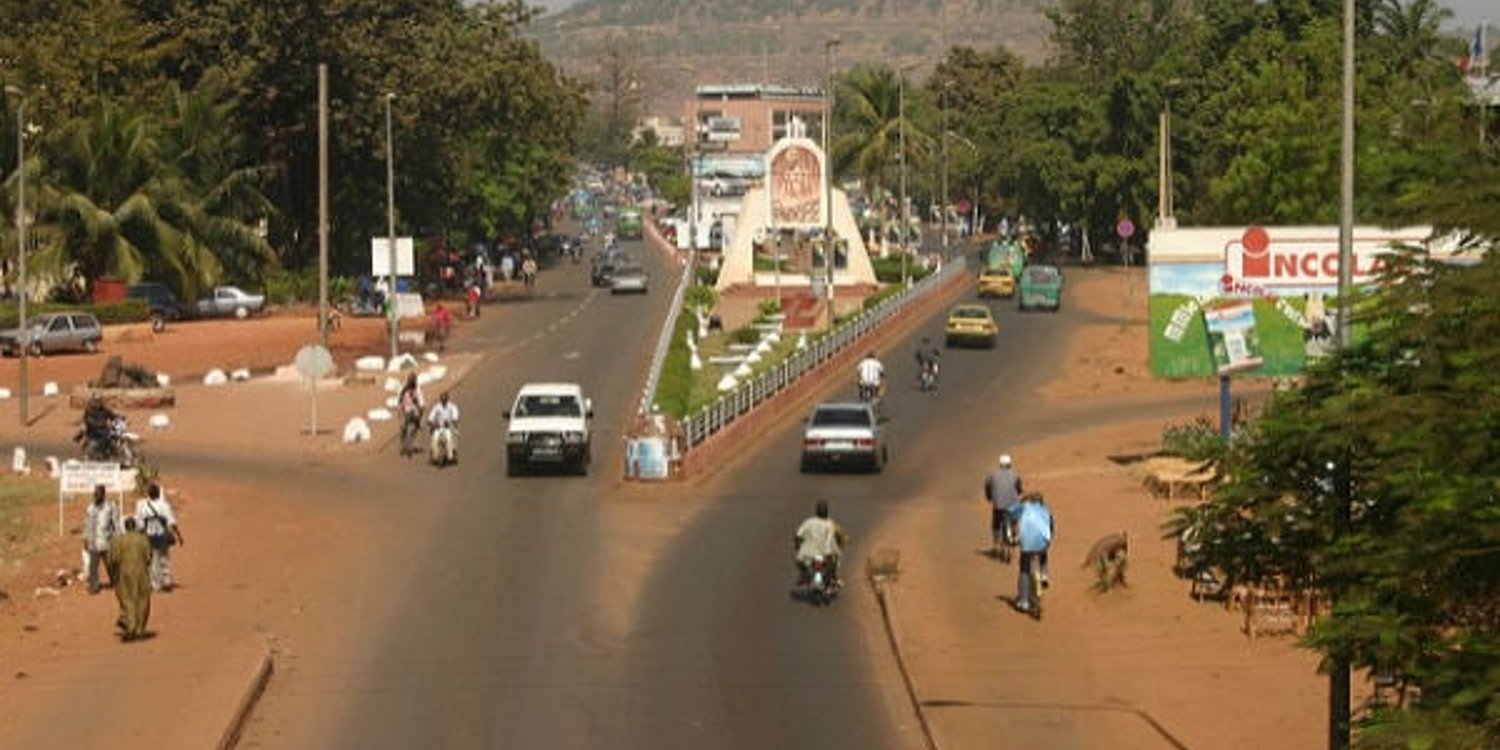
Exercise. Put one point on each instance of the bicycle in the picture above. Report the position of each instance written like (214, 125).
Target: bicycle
(1033, 585)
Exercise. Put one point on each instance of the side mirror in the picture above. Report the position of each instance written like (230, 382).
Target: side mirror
(588, 408)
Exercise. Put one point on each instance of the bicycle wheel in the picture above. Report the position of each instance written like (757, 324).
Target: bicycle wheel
(1036, 591)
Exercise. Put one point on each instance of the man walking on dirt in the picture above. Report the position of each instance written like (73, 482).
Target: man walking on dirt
(130, 572)
(100, 525)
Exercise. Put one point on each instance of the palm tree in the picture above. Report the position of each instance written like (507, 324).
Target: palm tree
(126, 197)
(867, 126)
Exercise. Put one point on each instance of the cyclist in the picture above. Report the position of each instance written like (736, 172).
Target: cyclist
(1002, 488)
(1035, 528)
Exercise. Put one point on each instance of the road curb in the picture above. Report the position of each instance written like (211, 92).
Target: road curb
(260, 679)
(884, 594)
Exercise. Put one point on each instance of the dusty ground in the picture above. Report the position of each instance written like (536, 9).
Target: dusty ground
(1140, 667)
(1099, 670)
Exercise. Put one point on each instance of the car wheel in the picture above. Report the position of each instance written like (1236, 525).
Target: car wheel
(805, 466)
(91, 346)
(34, 348)
(512, 468)
(158, 322)
(241, 312)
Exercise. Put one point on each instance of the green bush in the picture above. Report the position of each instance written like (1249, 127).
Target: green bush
(707, 276)
(674, 389)
(888, 269)
(124, 311)
(1198, 440)
(745, 335)
(769, 306)
(700, 296)
(284, 287)
(886, 292)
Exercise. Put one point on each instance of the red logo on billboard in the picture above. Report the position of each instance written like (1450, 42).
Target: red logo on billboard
(1257, 258)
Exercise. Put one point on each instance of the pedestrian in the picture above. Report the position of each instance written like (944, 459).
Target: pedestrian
(1035, 527)
(129, 565)
(473, 295)
(156, 519)
(101, 522)
(410, 405)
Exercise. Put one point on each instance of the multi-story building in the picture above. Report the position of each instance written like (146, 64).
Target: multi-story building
(730, 127)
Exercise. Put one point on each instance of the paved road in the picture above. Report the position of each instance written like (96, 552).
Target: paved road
(563, 612)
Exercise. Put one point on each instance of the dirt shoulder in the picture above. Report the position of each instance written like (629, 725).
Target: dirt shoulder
(58, 650)
(1139, 667)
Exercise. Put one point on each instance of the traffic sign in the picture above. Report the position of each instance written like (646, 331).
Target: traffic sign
(1126, 229)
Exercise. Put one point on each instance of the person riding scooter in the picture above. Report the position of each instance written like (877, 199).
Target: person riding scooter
(871, 377)
(443, 423)
(927, 363)
(819, 537)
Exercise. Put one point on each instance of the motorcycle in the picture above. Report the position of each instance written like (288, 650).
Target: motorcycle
(927, 376)
(444, 449)
(117, 443)
(819, 582)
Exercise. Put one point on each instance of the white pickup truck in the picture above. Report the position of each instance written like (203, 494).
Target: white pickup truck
(549, 426)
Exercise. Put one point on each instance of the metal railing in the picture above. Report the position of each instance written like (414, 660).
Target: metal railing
(718, 414)
(664, 341)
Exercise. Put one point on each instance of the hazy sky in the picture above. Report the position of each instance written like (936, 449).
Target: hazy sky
(1466, 13)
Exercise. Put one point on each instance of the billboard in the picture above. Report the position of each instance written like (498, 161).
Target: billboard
(1256, 300)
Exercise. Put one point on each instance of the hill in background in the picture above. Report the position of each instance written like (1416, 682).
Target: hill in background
(680, 42)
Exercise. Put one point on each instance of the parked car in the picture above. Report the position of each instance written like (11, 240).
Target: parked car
(162, 303)
(997, 282)
(549, 426)
(1041, 286)
(230, 300)
(54, 332)
(971, 324)
(627, 277)
(843, 433)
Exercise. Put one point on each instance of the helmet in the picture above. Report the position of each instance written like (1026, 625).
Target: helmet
(1005, 460)
(821, 509)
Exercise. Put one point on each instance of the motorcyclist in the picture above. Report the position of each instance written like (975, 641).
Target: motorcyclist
(871, 375)
(442, 421)
(98, 424)
(1002, 488)
(819, 536)
(927, 357)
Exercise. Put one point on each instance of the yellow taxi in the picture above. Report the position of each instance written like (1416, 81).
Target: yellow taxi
(997, 282)
(969, 325)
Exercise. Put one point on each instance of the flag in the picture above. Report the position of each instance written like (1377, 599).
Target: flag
(1478, 60)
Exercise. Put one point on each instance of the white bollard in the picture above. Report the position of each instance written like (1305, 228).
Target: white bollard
(356, 430)
(215, 377)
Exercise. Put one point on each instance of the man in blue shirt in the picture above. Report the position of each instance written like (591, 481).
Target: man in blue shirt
(1035, 528)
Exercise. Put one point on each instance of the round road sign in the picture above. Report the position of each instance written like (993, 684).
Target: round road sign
(1126, 228)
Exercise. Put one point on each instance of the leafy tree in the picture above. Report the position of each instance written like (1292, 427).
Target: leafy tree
(1375, 483)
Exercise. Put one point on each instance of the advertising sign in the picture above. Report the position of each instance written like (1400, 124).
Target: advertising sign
(1231, 336)
(1283, 281)
(722, 129)
(796, 189)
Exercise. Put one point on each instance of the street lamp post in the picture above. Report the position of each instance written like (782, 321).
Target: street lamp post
(390, 219)
(974, 151)
(22, 384)
(901, 140)
(829, 47)
(1164, 216)
(944, 208)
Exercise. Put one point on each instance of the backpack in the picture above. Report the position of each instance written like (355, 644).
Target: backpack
(155, 529)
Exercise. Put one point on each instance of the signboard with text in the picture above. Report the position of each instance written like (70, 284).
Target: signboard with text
(1282, 281)
(795, 187)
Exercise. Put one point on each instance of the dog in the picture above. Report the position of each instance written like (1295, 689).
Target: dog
(1108, 557)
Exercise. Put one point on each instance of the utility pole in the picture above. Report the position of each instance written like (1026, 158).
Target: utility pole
(390, 219)
(22, 383)
(322, 205)
(829, 47)
(944, 208)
